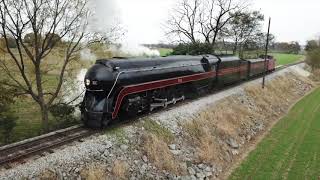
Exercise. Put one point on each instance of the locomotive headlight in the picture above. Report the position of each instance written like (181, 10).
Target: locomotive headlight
(88, 82)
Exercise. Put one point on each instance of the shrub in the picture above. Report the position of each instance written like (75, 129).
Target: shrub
(55, 38)
(312, 45)
(11, 43)
(6, 98)
(29, 38)
(7, 124)
(313, 58)
(64, 114)
(7, 120)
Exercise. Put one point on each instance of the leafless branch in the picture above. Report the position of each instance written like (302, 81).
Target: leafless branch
(50, 22)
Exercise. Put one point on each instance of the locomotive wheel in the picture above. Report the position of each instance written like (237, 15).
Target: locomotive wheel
(105, 122)
(130, 109)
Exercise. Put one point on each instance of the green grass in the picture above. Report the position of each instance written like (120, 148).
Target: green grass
(160, 131)
(283, 59)
(292, 149)
(118, 133)
(165, 51)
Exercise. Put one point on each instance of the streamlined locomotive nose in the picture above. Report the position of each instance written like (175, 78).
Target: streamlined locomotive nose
(94, 109)
(99, 78)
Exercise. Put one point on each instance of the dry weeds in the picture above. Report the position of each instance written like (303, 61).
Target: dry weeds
(48, 175)
(208, 150)
(120, 169)
(158, 152)
(94, 172)
(316, 75)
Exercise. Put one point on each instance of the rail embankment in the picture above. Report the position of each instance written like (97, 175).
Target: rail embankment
(203, 138)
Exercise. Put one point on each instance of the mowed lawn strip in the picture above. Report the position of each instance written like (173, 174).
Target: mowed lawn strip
(165, 51)
(292, 149)
(283, 59)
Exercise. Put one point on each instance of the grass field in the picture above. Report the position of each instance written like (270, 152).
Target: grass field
(292, 149)
(283, 59)
(164, 51)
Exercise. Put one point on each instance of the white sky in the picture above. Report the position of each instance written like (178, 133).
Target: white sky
(292, 20)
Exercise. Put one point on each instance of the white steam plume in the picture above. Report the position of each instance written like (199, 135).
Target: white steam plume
(87, 55)
(107, 15)
(74, 88)
(73, 91)
(138, 50)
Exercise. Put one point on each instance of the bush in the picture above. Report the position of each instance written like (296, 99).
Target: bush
(11, 43)
(193, 49)
(252, 54)
(55, 39)
(312, 45)
(313, 58)
(29, 38)
(64, 115)
(7, 124)
(7, 120)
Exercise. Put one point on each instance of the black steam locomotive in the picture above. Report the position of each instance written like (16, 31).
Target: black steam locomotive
(126, 87)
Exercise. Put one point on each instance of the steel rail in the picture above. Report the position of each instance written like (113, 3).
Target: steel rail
(23, 150)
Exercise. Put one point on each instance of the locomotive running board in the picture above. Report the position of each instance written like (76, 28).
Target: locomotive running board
(161, 100)
(166, 103)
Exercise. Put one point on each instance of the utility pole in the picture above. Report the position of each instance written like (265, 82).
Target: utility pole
(265, 57)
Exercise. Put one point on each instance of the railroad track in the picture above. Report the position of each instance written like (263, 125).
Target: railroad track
(21, 150)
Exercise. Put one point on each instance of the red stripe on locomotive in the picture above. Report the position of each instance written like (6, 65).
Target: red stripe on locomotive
(127, 90)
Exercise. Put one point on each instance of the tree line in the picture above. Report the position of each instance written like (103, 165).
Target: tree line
(211, 26)
(286, 47)
(28, 39)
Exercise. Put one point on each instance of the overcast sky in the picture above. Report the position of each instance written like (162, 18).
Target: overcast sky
(292, 20)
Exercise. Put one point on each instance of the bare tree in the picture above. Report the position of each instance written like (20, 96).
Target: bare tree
(183, 21)
(215, 15)
(202, 20)
(66, 19)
